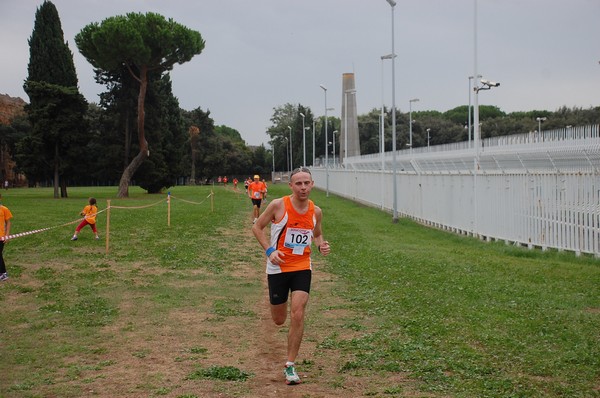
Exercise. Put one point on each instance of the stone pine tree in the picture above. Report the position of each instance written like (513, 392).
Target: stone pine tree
(144, 43)
(56, 109)
(166, 130)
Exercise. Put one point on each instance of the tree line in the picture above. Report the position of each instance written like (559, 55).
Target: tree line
(444, 128)
(138, 134)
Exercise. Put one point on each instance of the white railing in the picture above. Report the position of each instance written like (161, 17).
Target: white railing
(537, 192)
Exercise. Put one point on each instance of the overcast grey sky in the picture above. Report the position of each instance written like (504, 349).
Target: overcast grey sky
(261, 54)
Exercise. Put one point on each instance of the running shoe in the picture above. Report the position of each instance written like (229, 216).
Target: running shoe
(3, 276)
(291, 377)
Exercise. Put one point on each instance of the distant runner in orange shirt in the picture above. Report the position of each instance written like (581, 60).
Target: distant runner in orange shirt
(256, 192)
(295, 225)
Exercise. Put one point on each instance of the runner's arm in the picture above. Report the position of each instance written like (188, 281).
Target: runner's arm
(6, 230)
(322, 244)
(274, 211)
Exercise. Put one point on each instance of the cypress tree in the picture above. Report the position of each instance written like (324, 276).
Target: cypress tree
(56, 110)
(50, 59)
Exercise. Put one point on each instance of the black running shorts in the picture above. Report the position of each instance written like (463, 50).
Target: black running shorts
(281, 284)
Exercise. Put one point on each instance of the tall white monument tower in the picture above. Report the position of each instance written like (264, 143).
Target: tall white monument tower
(349, 141)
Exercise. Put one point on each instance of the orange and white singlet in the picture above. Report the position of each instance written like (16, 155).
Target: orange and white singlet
(292, 235)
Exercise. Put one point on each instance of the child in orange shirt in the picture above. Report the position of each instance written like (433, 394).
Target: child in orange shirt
(89, 218)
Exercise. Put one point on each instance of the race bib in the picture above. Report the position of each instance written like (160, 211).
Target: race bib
(256, 195)
(298, 239)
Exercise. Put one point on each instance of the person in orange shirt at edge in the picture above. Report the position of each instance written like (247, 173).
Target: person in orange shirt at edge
(256, 192)
(295, 225)
(89, 218)
(5, 216)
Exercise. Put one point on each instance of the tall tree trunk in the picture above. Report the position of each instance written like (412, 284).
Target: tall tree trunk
(63, 188)
(127, 140)
(144, 152)
(129, 172)
(56, 171)
(193, 179)
(3, 163)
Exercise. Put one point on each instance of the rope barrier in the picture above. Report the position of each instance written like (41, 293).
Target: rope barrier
(35, 231)
(193, 203)
(107, 209)
(137, 207)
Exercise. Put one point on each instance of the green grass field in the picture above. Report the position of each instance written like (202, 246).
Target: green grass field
(430, 313)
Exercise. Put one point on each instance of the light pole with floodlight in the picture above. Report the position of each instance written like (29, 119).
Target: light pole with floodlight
(485, 85)
(326, 140)
(382, 118)
(410, 102)
(540, 120)
(304, 144)
(287, 153)
(273, 158)
(291, 157)
(469, 124)
(334, 132)
(392, 4)
(428, 130)
(469, 121)
(313, 141)
(303, 141)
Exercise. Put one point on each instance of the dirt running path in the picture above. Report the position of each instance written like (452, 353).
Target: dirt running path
(267, 346)
(158, 353)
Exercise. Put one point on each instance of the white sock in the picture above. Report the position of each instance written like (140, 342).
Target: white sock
(288, 363)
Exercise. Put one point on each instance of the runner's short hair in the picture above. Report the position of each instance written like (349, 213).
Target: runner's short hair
(300, 170)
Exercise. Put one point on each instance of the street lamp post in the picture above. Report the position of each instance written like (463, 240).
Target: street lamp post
(485, 85)
(273, 158)
(351, 91)
(291, 157)
(382, 117)
(304, 144)
(303, 141)
(540, 120)
(428, 130)
(469, 121)
(410, 102)
(334, 132)
(326, 140)
(313, 141)
(287, 153)
(469, 124)
(475, 228)
(382, 129)
(476, 129)
(392, 4)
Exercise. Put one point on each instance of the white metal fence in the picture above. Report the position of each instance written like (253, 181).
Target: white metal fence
(539, 190)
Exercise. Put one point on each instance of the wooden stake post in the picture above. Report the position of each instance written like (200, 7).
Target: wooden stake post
(107, 224)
